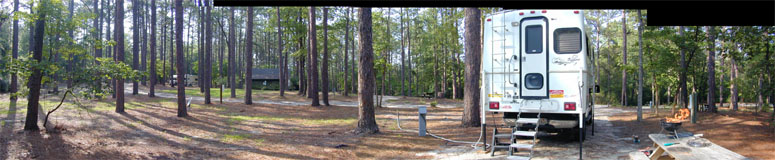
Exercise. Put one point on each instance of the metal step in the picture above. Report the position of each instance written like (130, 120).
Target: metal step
(521, 146)
(518, 158)
(527, 120)
(501, 146)
(503, 136)
(525, 133)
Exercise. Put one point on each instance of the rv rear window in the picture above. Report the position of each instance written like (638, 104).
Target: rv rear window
(533, 39)
(567, 40)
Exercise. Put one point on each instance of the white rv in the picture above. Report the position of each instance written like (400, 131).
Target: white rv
(537, 73)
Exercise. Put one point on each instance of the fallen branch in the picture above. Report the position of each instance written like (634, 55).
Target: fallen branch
(45, 121)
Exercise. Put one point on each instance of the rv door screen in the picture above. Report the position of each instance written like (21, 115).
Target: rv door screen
(534, 58)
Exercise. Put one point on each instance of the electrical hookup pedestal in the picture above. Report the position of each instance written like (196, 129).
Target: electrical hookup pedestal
(422, 111)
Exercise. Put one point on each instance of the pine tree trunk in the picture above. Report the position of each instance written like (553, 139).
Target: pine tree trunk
(313, 59)
(119, 56)
(180, 58)
(208, 76)
(366, 120)
(346, 50)
(144, 43)
(354, 77)
(682, 79)
(711, 62)
(624, 58)
(15, 50)
(403, 78)
(135, 41)
(471, 110)
(151, 88)
(249, 58)
(31, 121)
(640, 65)
(324, 68)
(232, 51)
(732, 77)
(283, 58)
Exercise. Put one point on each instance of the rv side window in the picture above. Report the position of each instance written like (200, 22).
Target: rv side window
(533, 39)
(567, 40)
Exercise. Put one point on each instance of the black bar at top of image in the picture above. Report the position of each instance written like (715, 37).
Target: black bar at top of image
(660, 12)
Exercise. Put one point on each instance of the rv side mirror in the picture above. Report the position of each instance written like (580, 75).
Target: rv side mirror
(597, 88)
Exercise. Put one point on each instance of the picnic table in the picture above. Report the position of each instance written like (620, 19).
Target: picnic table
(681, 151)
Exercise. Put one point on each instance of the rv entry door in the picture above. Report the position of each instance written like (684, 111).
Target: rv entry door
(534, 56)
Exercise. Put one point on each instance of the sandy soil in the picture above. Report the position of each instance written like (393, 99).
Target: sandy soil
(745, 133)
(89, 129)
(150, 130)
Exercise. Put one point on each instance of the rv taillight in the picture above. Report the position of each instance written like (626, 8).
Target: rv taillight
(489, 19)
(544, 11)
(568, 106)
(494, 105)
(531, 12)
(521, 13)
(575, 12)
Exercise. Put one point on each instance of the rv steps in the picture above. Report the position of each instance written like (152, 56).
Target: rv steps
(521, 146)
(527, 120)
(525, 133)
(502, 135)
(517, 158)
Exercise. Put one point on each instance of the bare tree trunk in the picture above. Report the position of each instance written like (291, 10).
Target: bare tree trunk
(15, 50)
(721, 81)
(163, 49)
(346, 50)
(144, 42)
(232, 52)
(153, 50)
(313, 59)
(366, 121)
(640, 65)
(73, 59)
(471, 108)
(31, 121)
(711, 62)
(135, 41)
(119, 57)
(208, 77)
(249, 58)
(682, 79)
(201, 46)
(283, 58)
(324, 68)
(732, 77)
(180, 58)
(409, 56)
(624, 58)
(403, 78)
(354, 77)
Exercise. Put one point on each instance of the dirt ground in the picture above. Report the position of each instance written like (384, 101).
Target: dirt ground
(90, 129)
(745, 133)
(150, 130)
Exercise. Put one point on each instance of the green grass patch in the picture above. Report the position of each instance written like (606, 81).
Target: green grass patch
(305, 121)
(258, 141)
(234, 137)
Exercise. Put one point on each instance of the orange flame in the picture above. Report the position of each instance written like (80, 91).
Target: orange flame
(683, 114)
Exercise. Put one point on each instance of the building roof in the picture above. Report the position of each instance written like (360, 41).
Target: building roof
(270, 73)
